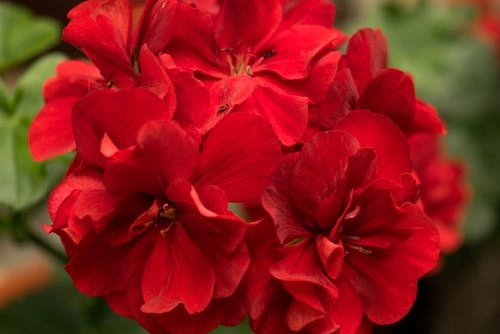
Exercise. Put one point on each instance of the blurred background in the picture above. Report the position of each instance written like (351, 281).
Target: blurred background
(451, 47)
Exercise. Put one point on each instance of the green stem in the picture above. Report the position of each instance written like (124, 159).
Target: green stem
(43, 244)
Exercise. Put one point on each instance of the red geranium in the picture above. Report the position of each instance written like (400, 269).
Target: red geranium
(353, 243)
(151, 231)
(443, 191)
(192, 105)
(363, 81)
(254, 53)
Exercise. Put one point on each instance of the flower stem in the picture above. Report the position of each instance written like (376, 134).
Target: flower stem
(43, 244)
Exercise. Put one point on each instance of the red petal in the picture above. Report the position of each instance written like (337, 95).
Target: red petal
(322, 76)
(319, 177)
(164, 152)
(51, 132)
(246, 24)
(156, 24)
(319, 12)
(346, 310)
(294, 48)
(237, 156)
(286, 113)
(386, 281)
(277, 202)
(193, 100)
(331, 255)
(299, 315)
(89, 179)
(391, 93)
(301, 263)
(74, 78)
(427, 119)
(192, 45)
(120, 115)
(339, 101)
(102, 28)
(98, 269)
(232, 91)
(177, 272)
(154, 78)
(384, 137)
(366, 55)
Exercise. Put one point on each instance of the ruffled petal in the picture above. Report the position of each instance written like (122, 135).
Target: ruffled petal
(156, 24)
(427, 119)
(391, 93)
(176, 273)
(116, 117)
(366, 55)
(102, 28)
(319, 12)
(286, 113)
(277, 202)
(384, 137)
(163, 153)
(293, 50)
(98, 269)
(51, 132)
(246, 24)
(320, 177)
(386, 289)
(237, 156)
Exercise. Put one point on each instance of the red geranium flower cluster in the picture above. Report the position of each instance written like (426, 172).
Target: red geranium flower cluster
(193, 105)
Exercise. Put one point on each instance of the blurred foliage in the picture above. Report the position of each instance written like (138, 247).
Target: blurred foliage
(23, 36)
(60, 309)
(459, 74)
(25, 182)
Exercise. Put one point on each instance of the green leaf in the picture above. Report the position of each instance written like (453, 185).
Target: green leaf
(242, 328)
(28, 95)
(5, 101)
(23, 35)
(23, 181)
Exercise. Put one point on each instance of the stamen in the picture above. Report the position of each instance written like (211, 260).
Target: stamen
(249, 70)
(349, 237)
(360, 249)
(167, 212)
(294, 242)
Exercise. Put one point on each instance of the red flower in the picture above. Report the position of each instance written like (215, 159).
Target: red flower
(254, 53)
(363, 81)
(352, 245)
(185, 99)
(51, 133)
(151, 230)
(443, 192)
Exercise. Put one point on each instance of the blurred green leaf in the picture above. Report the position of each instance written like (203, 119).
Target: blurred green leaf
(28, 93)
(243, 328)
(25, 182)
(23, 36)
(4, 98)
(59, 309)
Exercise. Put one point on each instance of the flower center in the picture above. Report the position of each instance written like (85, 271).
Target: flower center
(341, 230)
(166, 215)
(241, 62)
(238, 63)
